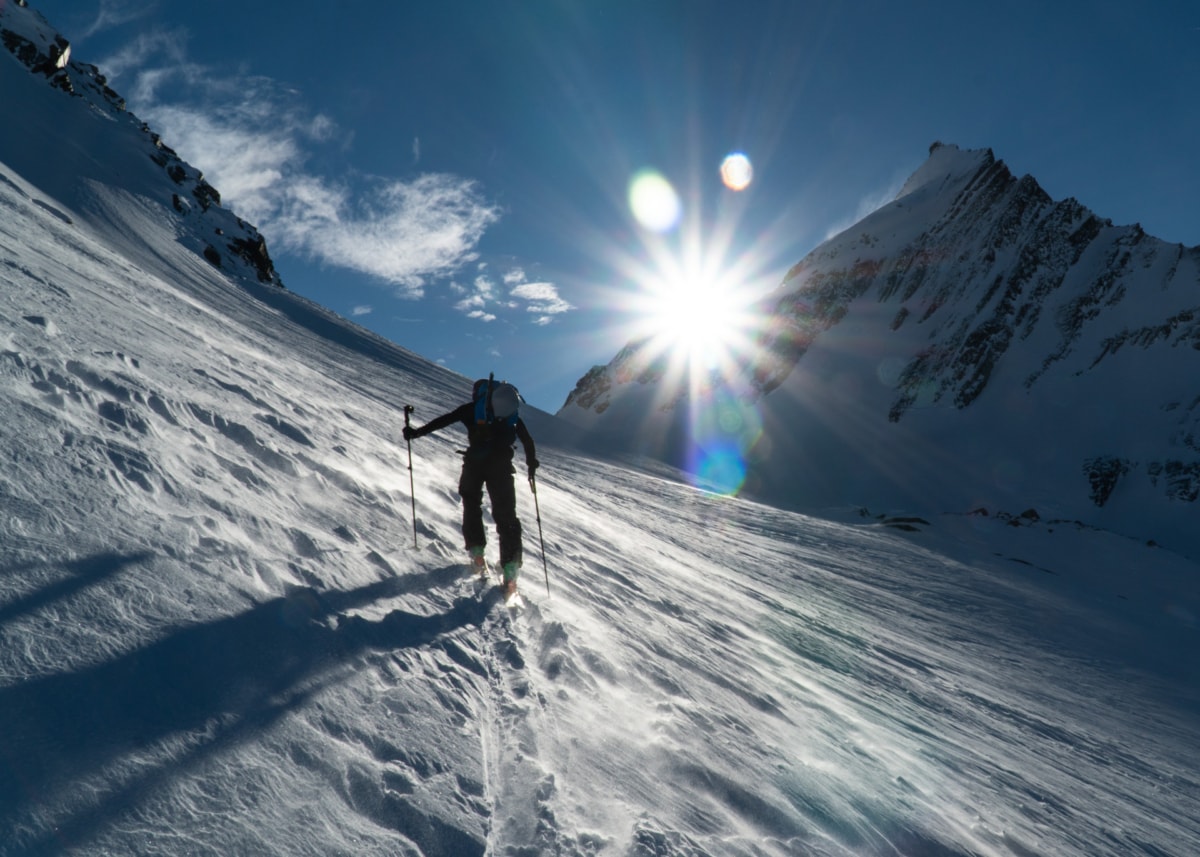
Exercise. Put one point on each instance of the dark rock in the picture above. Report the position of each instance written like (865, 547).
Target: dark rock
(1103, 473)
(254, 251)
(206, 194)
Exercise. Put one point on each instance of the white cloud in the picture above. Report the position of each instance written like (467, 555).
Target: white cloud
(252, 139)
(536, 292)
(484, 298)
(474, 302)
(171, 45)
(484, 287)
(543, 299)
(478, 299)
(362, 310)
(401, 232)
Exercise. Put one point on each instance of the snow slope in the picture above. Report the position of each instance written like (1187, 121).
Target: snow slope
(218, 638)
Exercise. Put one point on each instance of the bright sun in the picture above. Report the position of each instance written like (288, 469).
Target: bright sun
(694, 318)
(697, 324)
(691, 307)
(688, 309)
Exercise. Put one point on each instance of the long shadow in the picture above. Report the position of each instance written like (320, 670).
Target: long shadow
(389, 587)
(84, 573)
(213, 681)
(86, 822)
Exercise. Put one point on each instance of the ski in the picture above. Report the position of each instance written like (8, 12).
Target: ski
(514, 602)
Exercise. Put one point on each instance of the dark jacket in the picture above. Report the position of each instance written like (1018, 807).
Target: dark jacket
(484, 441)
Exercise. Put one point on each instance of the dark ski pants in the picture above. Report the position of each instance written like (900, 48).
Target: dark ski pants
(496, 474)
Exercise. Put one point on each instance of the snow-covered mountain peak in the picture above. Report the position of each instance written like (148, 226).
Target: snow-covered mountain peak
(946, 165)
(975, 316)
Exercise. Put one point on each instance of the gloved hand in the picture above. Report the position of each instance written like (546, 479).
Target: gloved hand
(409, 433)
(533, 465)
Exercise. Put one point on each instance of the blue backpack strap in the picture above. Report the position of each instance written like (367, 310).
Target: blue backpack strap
(483, 400)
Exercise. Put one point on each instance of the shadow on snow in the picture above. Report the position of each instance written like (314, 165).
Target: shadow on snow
(206, 687)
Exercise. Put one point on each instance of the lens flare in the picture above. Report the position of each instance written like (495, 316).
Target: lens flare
(724, 431)
(654, 201)
(890, 370)
(688, 318)
(737, 171)
(720, 469)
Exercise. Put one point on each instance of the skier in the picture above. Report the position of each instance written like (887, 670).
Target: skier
(493, 427)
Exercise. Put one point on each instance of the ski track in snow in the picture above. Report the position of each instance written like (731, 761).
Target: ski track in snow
(216, 635)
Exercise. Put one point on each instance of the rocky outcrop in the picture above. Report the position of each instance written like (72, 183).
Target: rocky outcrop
(253, 251)
(34, 44)
(1102, 475)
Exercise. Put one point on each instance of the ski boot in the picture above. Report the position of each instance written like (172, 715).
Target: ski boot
(511, 570)
(478, 563)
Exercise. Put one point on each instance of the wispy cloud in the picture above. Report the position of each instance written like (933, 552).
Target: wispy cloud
(362, 310)
(485, 297)
(114, 13)
(868, 204)
(253, 139)
(401, 232)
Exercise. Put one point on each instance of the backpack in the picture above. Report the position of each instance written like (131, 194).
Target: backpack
(497, 403)
(495, 426)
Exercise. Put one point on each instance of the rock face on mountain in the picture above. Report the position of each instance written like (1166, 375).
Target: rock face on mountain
(972, 326)
(224, 240)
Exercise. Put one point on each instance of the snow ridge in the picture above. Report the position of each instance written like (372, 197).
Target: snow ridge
(218, 236)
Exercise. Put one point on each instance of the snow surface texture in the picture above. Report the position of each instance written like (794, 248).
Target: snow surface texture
(218, 638)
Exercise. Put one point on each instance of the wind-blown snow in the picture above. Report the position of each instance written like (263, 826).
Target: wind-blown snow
(217, 636)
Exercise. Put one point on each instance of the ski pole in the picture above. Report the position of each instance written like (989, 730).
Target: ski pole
(538, 513)
(412, 491)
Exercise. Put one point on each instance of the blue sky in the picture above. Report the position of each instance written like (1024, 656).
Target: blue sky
(456, 175)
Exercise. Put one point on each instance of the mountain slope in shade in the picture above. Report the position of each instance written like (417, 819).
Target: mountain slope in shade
(217, 636)
(972, 343)
(81, 178)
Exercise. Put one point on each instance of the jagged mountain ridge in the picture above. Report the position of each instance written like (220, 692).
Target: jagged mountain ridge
(975, 301)
(1009, 235)
(215, 234)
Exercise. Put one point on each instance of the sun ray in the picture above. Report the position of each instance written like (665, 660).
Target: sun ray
(687, 303)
